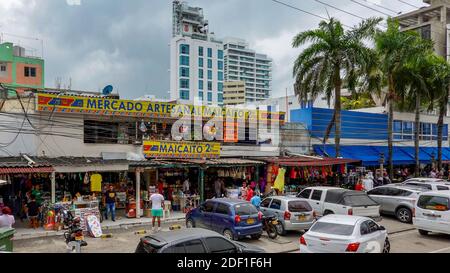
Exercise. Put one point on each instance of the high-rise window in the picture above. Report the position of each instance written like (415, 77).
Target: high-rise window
(209, 52)
(209, 63)
(184, 49)
(200, 95)
(209, 86)
(220, 97)
(184, 60)
(184, 71)
(184, 83)
(220, 54)
(209, 96)
(209, 74)
(200, 62)
(200, 51)
(200, 84)
(220, 87)
(200, 73)
(220, 76)
(184, 94)
(220, 65)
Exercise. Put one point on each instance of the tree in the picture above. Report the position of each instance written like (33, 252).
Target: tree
(395, 50)
(333, 57)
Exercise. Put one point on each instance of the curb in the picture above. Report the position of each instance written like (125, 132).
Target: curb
(46, 234)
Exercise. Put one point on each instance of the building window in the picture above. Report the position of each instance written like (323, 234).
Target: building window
(220, 87)
(209, 86)
(3, 68)
(200, 95)
(209, 96)
(200, 73)
(184, 94)
(100, 132)
(209, 74)
(209, 52)
(184, 83)
(220, 97)
(184, 71)
(200, 84)
(184, 60)
(209, 64)
(200, 51)
(220, 54)
(184, 49)
(200, 62)
(220, 65)
(30, 72)
(220, 76)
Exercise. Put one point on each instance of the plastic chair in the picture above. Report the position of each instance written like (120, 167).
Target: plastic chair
(167, 209)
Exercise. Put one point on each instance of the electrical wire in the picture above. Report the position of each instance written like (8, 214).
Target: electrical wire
(380, 6)
(361, 4)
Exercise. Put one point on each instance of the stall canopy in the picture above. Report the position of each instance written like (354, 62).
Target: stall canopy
(181, 163)
(19, 165)
(370, 155)
(300, 161)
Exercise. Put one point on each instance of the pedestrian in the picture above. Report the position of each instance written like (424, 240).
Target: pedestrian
(256, 201)
(33, 210)
(218, 188)
(157, 200)
(244, 190)
(359, 185)
(110, 203)
(6, 219)
(250, 191)
(186, 186)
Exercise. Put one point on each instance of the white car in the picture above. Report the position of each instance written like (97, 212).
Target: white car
(332, 200)
(429, 185)
(432, 212)
(345, 234)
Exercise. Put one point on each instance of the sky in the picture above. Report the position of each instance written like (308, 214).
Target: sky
(94, 43)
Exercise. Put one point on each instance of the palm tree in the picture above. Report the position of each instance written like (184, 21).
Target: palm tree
(396, 49)
(332, 58)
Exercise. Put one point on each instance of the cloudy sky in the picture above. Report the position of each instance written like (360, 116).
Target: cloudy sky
(125, 43)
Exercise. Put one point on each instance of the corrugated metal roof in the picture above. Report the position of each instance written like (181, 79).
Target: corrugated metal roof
(12, 162)
(26, 170)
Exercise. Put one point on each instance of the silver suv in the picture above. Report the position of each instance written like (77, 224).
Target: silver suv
(398, 200)
(293, 213)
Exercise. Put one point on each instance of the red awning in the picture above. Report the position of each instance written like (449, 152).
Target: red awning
(19, 170)
(310, 162)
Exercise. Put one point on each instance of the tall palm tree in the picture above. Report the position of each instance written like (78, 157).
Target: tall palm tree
(332, 58)
(396, 49)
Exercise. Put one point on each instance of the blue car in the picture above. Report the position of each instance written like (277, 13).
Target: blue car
(235, 219)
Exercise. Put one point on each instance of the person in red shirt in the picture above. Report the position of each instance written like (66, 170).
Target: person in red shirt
(250, 193)
(359, 186)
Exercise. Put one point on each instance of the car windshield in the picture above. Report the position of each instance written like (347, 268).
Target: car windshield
(245, 209)
(298, 206)
(333, 228)
(359, 200)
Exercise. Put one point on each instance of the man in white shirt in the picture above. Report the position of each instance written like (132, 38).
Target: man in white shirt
(157, 208)
(186, 185)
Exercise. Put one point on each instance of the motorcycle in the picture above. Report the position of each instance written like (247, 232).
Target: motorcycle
(270, 222)
(74, 235)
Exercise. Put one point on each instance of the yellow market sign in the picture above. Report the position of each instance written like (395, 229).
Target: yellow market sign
(173, 149)
(117, 107)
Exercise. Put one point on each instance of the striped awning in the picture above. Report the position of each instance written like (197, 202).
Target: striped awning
(20, 170)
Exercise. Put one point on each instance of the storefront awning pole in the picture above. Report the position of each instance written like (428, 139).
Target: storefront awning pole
(201, 180)
(53, 187)
(138, 192)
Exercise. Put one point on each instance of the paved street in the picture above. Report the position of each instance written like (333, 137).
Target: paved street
(404, 239)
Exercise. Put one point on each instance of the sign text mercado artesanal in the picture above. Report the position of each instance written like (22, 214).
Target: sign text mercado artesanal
(117, 107)
(173, 149)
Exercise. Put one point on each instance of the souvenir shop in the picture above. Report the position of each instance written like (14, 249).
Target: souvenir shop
(301, 172)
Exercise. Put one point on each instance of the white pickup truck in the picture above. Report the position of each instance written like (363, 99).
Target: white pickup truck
(330, 200)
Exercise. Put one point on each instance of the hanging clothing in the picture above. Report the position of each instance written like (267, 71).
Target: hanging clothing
(96, 182)
(279, 181)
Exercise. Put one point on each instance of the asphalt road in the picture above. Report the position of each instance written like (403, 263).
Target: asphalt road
(404, 239)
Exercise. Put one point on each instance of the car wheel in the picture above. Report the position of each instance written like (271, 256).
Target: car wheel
(423, 232)
(404, 215)
(190, 223)
(280, 229)
(256, 236)
(228, 234)
(387, 246)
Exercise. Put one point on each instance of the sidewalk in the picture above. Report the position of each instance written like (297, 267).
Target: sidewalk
(123, 223)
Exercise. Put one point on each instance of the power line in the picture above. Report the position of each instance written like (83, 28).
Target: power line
(344, 11)
(361, 4)
(380, 6)
(302, 10)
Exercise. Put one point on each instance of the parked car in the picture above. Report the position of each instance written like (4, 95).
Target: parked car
(330, 200)
(193, 240)
(345, 234)
(235, 219)
(396, 200)
(293, 213)
(429, 185)
(424, 179)
(432, 212)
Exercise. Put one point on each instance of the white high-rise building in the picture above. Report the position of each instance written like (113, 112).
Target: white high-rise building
(244, 64)
(196, 58)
